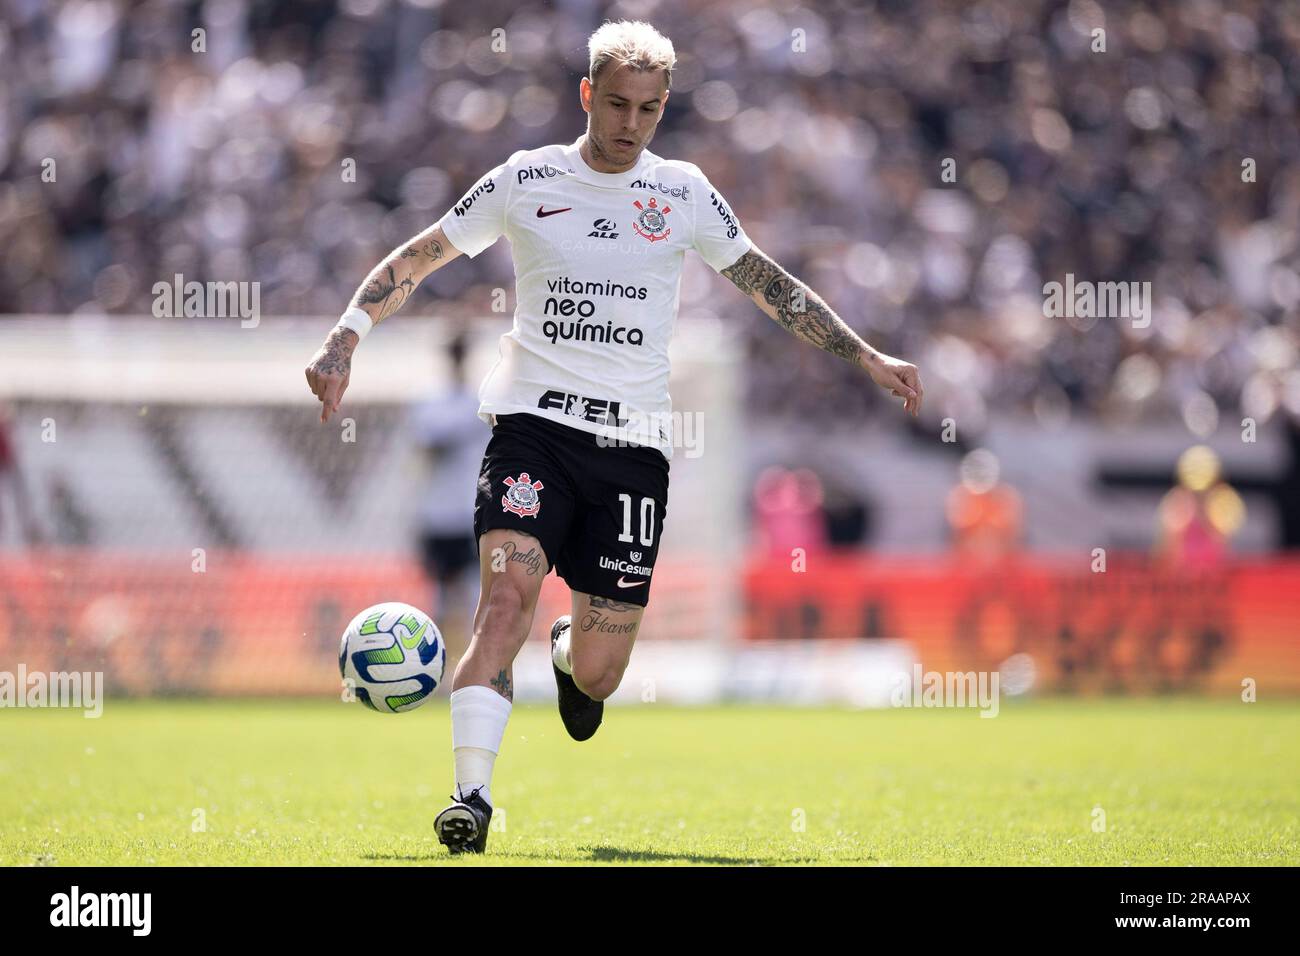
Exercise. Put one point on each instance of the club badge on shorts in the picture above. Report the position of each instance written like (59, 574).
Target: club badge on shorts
(522, 497)
(652, 222)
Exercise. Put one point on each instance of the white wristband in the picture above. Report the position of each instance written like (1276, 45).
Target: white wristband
(356, 320)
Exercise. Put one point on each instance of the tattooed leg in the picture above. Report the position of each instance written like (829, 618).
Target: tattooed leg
(512, 567)
(600, 642)
(503, 685)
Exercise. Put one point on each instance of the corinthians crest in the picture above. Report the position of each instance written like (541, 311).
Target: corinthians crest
(652, 222)
(521, 496)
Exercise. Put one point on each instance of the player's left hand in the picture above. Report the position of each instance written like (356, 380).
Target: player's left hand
(901, 378)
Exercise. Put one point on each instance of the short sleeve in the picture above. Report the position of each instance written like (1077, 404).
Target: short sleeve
(718, 236)
(479, 218)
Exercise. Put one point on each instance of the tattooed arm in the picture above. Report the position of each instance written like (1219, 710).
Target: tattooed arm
(393, 280)
(801, 311)
(383, 293)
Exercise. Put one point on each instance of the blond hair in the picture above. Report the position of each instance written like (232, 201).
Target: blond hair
(632, 43)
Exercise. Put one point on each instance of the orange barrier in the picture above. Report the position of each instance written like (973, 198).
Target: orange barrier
(263, 625)
(246, 624)
(1134, 627)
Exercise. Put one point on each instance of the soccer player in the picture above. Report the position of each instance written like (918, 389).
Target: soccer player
(575, 476)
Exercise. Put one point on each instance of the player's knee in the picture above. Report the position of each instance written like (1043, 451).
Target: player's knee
(503, 610)
(597, 682)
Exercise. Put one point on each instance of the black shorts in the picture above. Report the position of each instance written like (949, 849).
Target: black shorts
(597, 511)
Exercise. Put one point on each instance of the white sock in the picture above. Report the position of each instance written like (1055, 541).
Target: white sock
(474, 771)
(561, 654)
(478, 724)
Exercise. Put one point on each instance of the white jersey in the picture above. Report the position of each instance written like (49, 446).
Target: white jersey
(598, 265)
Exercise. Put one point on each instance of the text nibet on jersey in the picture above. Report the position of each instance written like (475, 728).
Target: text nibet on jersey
(598, 263)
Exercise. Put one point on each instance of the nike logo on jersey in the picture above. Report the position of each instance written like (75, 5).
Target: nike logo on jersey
(628, 584)
(552, 212)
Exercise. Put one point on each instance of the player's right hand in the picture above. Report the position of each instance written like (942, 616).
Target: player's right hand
(329, 370)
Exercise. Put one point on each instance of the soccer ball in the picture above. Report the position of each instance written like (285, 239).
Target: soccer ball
(391, 657)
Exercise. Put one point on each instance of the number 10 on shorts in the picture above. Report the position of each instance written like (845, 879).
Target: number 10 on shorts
(647, 520)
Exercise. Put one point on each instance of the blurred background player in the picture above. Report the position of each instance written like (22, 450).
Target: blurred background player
(12, 484)
(445, 426)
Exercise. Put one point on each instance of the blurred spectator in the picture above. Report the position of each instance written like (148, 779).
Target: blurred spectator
(983, 513)
(788, 506)
(1169, 157)
(1199, 515)
(848, 513)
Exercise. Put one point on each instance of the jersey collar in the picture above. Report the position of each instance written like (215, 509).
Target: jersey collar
(584, 172)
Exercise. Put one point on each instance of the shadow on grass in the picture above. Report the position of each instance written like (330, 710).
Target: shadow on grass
(605, 854)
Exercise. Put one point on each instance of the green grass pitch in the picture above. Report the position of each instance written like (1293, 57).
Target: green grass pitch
(1179, 781)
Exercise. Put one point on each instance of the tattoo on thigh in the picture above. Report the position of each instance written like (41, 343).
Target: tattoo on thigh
(510, 551)
(503, 686)
(609, 605)
(530, 559)
(593, 620)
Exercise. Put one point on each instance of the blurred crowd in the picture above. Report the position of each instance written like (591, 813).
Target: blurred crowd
(926, 166)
